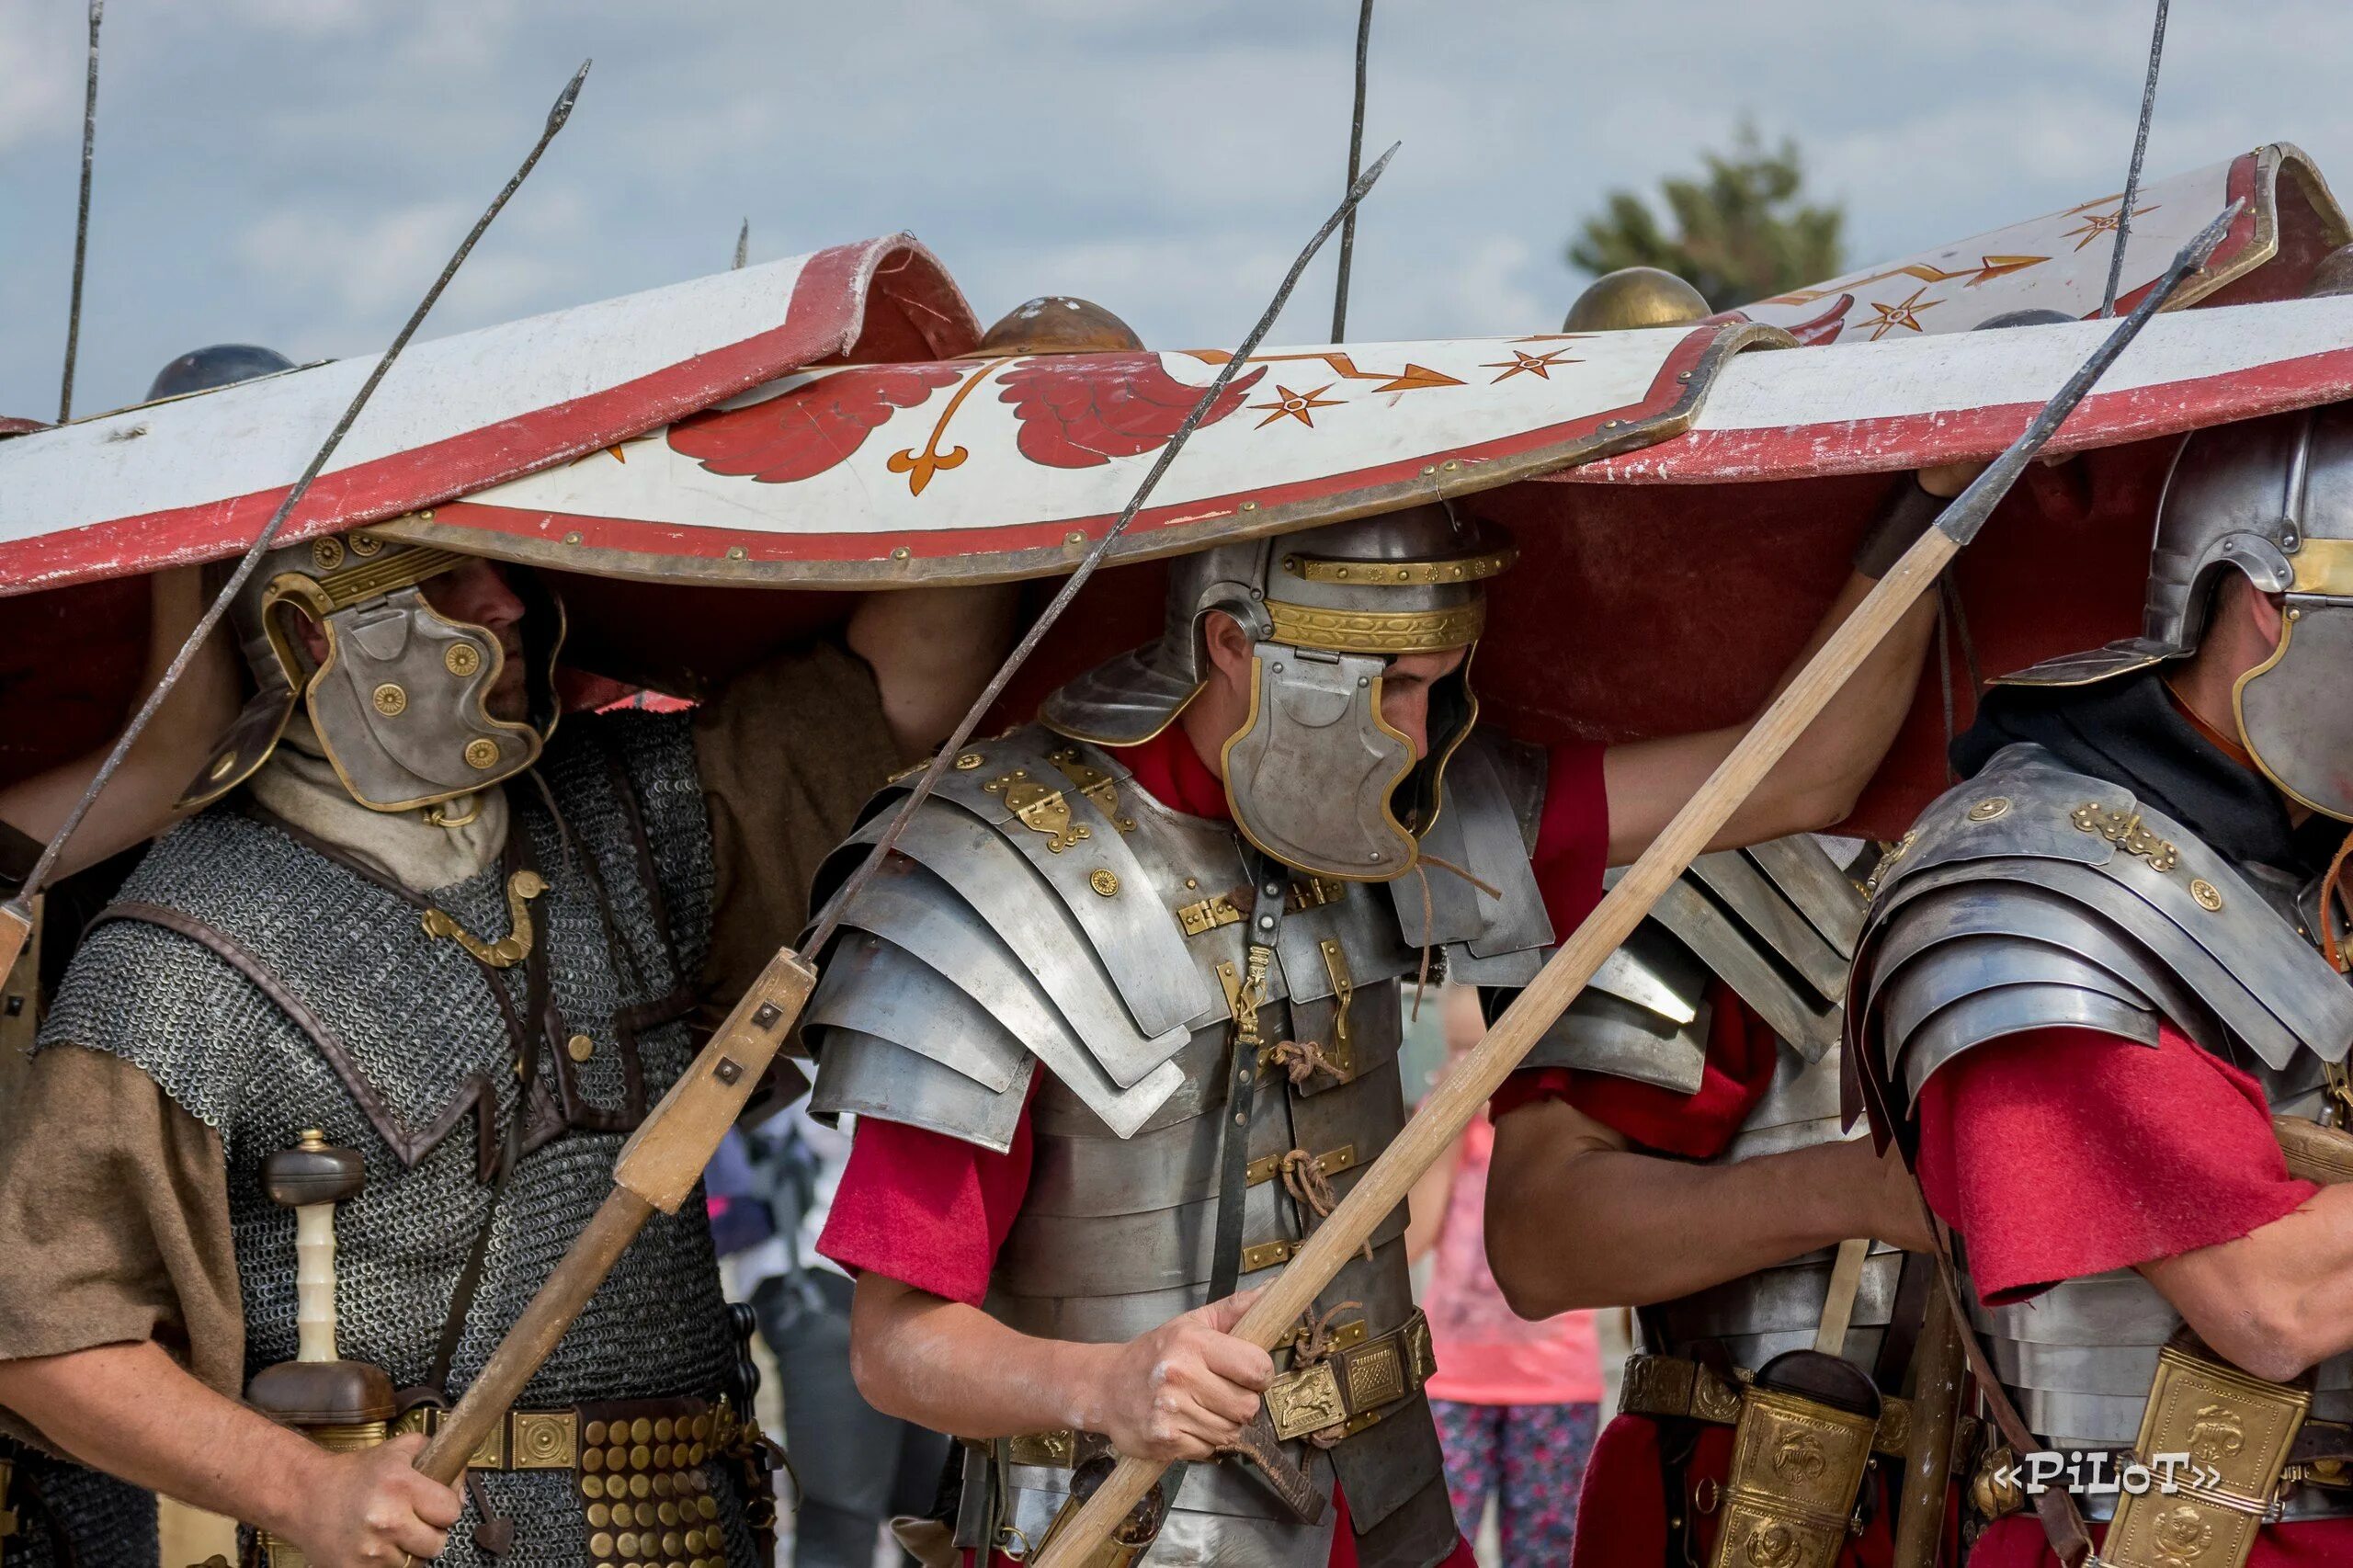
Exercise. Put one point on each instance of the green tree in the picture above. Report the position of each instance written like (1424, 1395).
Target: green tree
(1741, 232)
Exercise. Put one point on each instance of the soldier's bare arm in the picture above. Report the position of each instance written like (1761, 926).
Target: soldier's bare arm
(932, 649)
(134, 1411)
(2278, 1300)
(1578, 1218)
(137, 803)
(1816, 785)
(1181, 1392)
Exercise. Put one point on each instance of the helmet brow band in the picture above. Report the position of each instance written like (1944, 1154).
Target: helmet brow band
(1401, 574)
(2325, 568)
(1377, 631)
(401, 569)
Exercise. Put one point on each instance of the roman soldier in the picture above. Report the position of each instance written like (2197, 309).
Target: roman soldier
(341, 1068)
(1674, 1143)
(2091, 976)
(1119, 1021)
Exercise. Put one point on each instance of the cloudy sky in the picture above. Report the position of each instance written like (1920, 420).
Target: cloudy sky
(293, 172)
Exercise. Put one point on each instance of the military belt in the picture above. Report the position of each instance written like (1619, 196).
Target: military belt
(1676, 1386)
(1352, 1387)
(639, 1463)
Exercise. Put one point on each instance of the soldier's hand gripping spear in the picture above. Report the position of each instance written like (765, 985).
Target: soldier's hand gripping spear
(663, 1159)
(1449, 1107)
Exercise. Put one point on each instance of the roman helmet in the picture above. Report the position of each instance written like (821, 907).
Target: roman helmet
(2271, 499)
(221, 365)
(1635, 297)
(397, 699)
(1314, 777)
(1057, 323)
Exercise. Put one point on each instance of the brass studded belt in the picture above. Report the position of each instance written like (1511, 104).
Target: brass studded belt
(640, 1466)
(1677, 1386)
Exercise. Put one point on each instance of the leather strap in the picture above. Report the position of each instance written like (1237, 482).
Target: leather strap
(1273, 885)
(2062, 1522)
(1916, 1284)
(526, 1062)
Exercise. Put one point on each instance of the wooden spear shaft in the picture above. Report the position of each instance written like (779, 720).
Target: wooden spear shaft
(1449, 1107)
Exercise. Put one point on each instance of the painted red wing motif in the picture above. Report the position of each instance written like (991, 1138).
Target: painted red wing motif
(1078, 412)
(811, 429)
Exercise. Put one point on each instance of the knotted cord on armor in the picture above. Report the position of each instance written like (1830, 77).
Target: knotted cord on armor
(1301, 1060)
(1312, 1343)
(2331, 947)
(1304, 1180)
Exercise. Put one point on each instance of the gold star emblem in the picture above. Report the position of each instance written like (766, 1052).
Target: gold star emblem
(1300, 406)
(1524, 363)
(1905, 313)
(2094, 224)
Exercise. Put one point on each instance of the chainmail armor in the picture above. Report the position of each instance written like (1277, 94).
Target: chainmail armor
(422, 1033)
(71, 1516)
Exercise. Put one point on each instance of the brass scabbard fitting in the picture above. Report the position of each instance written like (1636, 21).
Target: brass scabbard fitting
(1798, 1465)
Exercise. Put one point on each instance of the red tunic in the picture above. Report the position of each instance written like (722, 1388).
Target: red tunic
(931, 1211)
(2060, 1154)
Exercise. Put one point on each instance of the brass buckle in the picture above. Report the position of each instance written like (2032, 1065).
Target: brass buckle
(1041, 809)
(1305, 1399)
(1057, 1449)
(506, 952)
(523, 1440)
(1095, 784)
(1332, 1162)
(1342, 1055)
(1355, 1382)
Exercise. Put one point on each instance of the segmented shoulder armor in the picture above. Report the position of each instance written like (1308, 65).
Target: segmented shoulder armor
(1042, 907)
(2034, 896)
(1776, 922)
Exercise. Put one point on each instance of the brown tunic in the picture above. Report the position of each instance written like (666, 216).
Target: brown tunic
(114, 1205)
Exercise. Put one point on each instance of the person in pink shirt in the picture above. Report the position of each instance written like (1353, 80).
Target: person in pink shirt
(1517, 1403)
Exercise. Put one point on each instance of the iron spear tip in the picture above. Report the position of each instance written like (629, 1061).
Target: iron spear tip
(567, 98)
(2203, 244)
(1364, 181)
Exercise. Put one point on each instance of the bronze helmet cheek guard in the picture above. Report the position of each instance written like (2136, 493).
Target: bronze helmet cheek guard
(1317, 777)
(399, 703)
(398, 699)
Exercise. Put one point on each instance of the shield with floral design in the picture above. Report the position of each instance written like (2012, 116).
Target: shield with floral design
(1684, 498)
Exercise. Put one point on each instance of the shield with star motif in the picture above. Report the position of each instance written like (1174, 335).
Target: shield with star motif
(1684, 498)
